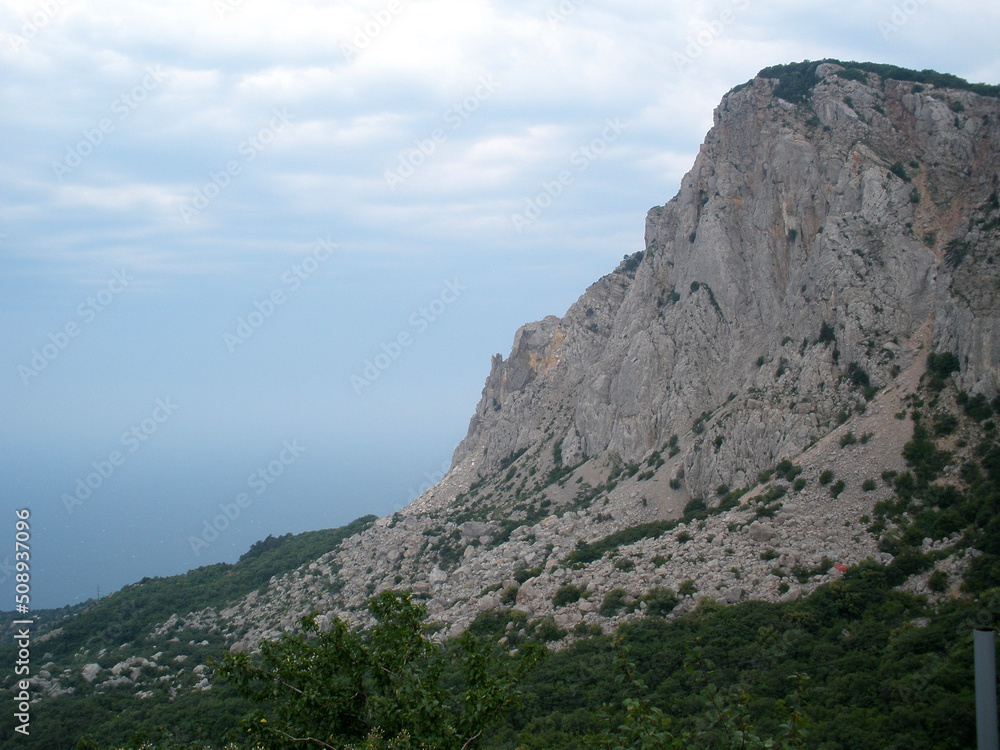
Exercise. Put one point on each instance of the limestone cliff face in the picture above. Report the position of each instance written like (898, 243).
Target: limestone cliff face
(806, 247)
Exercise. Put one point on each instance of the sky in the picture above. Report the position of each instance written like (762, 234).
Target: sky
(255, 256)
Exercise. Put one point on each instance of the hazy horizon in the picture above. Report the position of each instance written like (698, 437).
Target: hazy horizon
(258, 257)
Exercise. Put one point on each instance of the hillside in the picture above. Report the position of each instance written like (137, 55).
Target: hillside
(794, 381)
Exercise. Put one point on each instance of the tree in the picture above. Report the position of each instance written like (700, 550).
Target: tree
(726, 724)
(388, 686)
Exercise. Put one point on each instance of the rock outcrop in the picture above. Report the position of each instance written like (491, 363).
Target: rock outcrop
(809, 241)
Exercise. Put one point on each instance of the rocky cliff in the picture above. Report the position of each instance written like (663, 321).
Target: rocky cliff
(812, 238)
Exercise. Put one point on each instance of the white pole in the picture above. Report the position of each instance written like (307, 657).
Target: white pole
(986, 690)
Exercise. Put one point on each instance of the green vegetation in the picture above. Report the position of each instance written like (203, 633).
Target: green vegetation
(899, 170)
(586, 553)
(939, 367)
(977, 407)
(797, 80)
(787, 470)
(525, 573)
(131, 612)
(938, 581)
(695, 509)
(343, 687)
(567, 594)
(659, 601)
(614, 601)
(858, 377)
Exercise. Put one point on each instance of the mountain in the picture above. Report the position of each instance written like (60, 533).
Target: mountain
(864, 209)
(737, 412)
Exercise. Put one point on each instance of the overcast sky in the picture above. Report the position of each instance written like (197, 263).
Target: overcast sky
(256, 256)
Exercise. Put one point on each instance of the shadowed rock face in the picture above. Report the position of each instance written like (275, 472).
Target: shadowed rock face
(869, 207)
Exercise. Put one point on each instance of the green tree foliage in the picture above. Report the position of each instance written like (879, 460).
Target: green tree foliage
(797, 80)
(129, 613)
(725, 722)
(374, 688)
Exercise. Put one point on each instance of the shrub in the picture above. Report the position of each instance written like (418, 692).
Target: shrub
(837, 487)
(943, 364)
(858, 376)
(614, 600)
(826, 477)
(687, 588)
(847, 439)
(525, 573)
(945, 424)
(626, 564)
(799, 485)
(769, 554)
(868, 485)
(683, 537)
(567, 594)
(900, 171)
(546, 630)
(660, 601)
(509, 595)
(826, 334)
(938, 581)
(976, 407)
